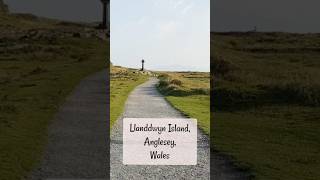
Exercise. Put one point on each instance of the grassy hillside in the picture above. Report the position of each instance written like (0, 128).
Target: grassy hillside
(189, 93)
(266, 97)
(122, 82)
(41, 61)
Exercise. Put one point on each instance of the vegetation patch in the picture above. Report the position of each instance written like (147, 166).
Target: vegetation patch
(122, 82)
(189, 93)
(265, 105)
(37, 72)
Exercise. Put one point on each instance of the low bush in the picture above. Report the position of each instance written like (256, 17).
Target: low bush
(163, 76)
(163, 83)
(296, 92)
(176, 82)
(220, 67)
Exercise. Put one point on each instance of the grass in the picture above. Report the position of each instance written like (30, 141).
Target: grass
(189, 93)
(266, 102)
(276, 142)
(122, 82)
(36, 75)
(196, 106)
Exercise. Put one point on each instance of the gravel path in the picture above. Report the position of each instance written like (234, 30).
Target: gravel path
(146, 102)
(77, 140)
(78, 144)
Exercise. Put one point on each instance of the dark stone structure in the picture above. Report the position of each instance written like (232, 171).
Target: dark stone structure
(105, 14)
(142, 68)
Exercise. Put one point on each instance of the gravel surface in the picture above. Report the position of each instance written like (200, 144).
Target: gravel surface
(77, 138)
(146, 102)
(78, 145)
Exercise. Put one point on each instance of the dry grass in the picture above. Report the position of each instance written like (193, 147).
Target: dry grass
(189, 93)
(39, 67)
(122, 82)
(266, 96)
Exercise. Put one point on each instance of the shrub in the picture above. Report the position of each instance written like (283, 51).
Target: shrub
(229, 97)
(201, 91)
(37, 70)
(233, 43)
(296, 92)
(176, 82)
(163, 76)
(220, 67)
(163, 83)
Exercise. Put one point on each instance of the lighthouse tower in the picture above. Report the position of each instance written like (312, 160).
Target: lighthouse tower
(142, 67)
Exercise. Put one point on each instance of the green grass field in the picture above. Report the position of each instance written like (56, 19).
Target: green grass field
(122, 82)
(195, 106)
(39, 66)
(266, 96)
(189, 93)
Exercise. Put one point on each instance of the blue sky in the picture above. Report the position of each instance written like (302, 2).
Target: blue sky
(168, 34)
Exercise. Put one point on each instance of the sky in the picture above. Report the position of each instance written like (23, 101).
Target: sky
(170, 35)
(70, 10)
(226, 15)
(300, 16)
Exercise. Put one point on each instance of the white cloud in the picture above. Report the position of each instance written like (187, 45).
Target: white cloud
(187, 8)
(178, 3)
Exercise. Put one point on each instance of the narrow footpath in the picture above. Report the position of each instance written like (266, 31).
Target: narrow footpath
(77, 138)
(146, 102)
